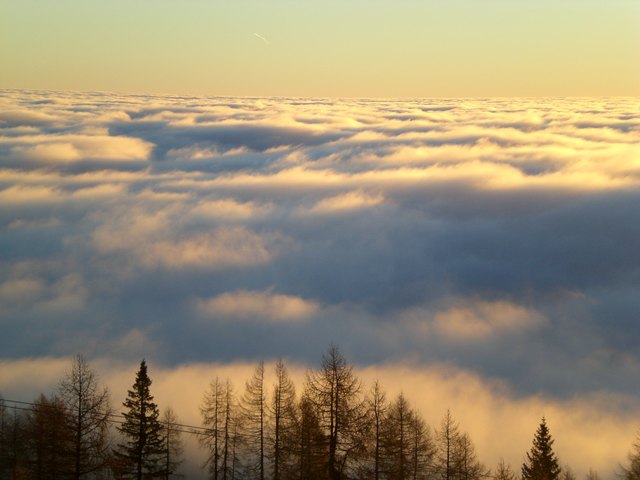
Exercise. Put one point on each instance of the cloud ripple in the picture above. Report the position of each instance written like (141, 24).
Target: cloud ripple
(499, 236)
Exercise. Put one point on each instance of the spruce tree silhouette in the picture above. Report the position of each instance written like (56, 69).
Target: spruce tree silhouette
(140, 456)
(542, 463)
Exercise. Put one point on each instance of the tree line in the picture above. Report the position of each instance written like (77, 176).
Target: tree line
(333, 429)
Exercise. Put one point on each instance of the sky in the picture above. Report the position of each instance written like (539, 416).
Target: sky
(446, 190)
(328, 48)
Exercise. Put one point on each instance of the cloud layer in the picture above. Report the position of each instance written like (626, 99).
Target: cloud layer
(496, 236)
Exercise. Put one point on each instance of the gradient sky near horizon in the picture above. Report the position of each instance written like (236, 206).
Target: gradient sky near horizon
(354, 48)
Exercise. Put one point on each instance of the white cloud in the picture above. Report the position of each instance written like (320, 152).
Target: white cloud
(54, 152)
(18, 116)
(479, 320)
(158, 238)
(103, 191)
(196, 153)
(228, 209)
(427, 229)
(251, 305)
(73, 147)
(223, 247)
(29, 195)
(20, 291)
(466, 321)
(66, 294)
(347, 202)
(219, 248)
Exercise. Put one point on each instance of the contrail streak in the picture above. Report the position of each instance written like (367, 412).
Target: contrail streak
(262, 38)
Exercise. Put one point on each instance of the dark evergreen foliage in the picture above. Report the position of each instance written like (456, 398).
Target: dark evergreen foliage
(542, 463)
(142, 453)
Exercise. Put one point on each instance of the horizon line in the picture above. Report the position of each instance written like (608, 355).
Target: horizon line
(318, 97)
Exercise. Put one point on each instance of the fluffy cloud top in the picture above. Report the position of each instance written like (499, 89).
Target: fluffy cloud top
(258, 305)
(496, 236)
(344, 203)
(483, 319)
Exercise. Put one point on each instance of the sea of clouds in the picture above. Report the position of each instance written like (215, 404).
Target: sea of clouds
(479, 254)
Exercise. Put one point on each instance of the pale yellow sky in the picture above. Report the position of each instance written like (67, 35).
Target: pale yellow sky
(353, 48)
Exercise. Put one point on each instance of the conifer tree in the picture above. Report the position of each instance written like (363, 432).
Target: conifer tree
(468, 465)
(455, 457)
(334, 391)
(377, 404)
(5, 436)
(13, 442)
(632, 471)
(230, 431)
(567, 473)
(173, 449)
(448, 439)
(312, 443)
(211, 411)
(503, 471)
(47, 439)
(253, 410)
(422, 448)
(396, 442)
(542, 463)
(87, 403)
(284, 425)
(218, 416)
(141, 455)
(592, 475)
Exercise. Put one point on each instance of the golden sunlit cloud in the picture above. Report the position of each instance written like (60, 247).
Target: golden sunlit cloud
(344, 203)
(72, 148)
(475, 254)
(18, 194)
(228, 209)
(222, 247)
(466, 321)
(479, 320)
(257, 306)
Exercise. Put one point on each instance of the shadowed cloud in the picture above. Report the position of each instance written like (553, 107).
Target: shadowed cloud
(496, 236)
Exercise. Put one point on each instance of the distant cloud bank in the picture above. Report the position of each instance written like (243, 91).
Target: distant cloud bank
(498, 237)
